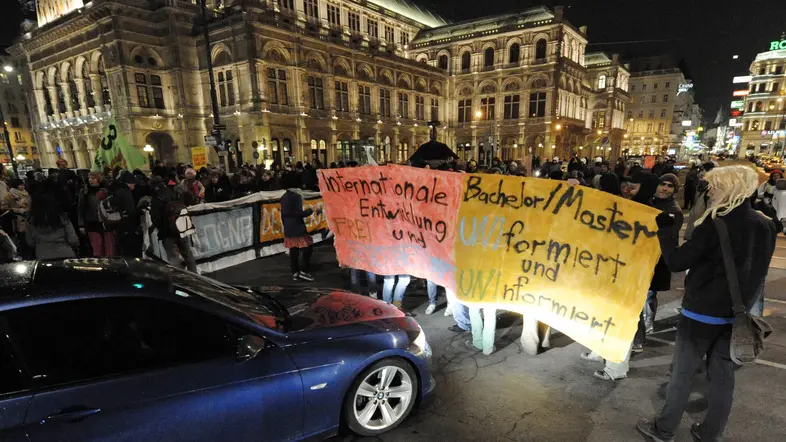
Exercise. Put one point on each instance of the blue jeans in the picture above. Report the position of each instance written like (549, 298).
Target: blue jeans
(354, 277)
(388, 293)
(758, 306)
(461, 316)
(432, 288)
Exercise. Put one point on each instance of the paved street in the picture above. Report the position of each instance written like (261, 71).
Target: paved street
(511, 396)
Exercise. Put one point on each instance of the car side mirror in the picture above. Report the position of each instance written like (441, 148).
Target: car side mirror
(248, 347)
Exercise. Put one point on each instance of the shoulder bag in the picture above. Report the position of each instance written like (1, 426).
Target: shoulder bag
(749, 332)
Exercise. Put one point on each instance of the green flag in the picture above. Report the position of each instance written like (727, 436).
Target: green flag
(115, 151)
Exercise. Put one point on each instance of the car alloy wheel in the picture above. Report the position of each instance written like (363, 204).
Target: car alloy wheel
(381, 397)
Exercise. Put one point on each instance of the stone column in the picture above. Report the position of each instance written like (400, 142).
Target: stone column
(41, 104)
(67, 97)
(80, 87)
(53, 100)
(98, 94)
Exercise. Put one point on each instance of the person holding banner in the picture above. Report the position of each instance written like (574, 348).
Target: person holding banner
(296, 237)
(707, 318)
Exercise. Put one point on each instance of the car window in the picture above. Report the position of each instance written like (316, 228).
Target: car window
(85, 339)
(12, 378)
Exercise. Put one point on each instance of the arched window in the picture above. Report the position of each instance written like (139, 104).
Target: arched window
(602, 82)
(488, 57)
(465, 61)
(72, 90)
(513, 53)
(61, 107)
(540, 49)
(443, 62)
(104, 82)
(755, 125)
(759, 106)
(47, 98)
(88, 86)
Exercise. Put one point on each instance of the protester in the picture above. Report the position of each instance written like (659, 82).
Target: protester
(691, 183)
(296, 237)
(432, 289)
(371, 280)
(779, 204)
(484, 327)
(701, 201)
(129, 239)
(619, 168)
(17, 202)
(393, 289)
(218, 189)
(707, 316)
(50, 233)
(192, 190)
(165, 208)
(641, 188)
(101, 238)
(664, 201)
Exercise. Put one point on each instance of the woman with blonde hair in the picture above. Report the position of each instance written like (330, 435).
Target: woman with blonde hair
(707, 309)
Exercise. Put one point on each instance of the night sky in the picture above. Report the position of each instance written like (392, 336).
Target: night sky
(705, 34)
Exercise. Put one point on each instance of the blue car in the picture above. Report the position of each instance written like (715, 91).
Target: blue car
(130, 350)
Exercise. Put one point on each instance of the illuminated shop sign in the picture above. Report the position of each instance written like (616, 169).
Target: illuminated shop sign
(737, 104)
(684, 88)
(741, 93)
(742, 79)
(777, 45)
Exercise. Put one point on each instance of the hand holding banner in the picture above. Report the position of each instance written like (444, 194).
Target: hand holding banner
(579, 259)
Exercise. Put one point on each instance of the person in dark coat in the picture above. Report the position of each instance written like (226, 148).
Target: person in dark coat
(129, 238)
(707, 316)
(664, 201)
(691, 182)
(178, 249)
(296, 237)
(619, 168)
(101, 238)
(217, 189)
(610, 183)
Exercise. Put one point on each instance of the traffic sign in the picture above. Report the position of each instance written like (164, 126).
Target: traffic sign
(210, 141)
(219, 127)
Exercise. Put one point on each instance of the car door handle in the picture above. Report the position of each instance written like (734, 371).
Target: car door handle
(69, 415)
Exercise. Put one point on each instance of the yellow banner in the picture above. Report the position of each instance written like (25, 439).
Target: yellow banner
(199, 157)
(578, 259)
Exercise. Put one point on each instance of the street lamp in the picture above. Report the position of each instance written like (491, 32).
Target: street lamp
(20, 157)
(558, 127)
(8, 68)
(149, 149)
(478, 114)
(600, 132)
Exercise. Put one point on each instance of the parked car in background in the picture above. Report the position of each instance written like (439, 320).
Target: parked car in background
(129, 350)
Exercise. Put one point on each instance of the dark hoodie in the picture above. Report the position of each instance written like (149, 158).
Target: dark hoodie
(661, 280)
(649, 183)
(610, 183)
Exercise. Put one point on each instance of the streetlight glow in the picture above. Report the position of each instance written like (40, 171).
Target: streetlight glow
(558, 127)
(600, 132)
(148, 148)
(478, 114)
(8, 68)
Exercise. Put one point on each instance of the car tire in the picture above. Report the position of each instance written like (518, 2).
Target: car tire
(369, 408)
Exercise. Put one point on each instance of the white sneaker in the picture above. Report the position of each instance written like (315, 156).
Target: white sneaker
(305, 276)
(430, 309)
(295, 276)
(448, 311)
(373, 295)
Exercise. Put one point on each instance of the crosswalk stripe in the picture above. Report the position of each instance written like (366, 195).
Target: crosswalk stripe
(758, 361)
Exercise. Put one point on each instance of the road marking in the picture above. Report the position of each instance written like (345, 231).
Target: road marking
(775, 300)
(758, 361)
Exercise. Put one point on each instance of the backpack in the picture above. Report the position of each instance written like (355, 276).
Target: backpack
(108, 212)
(179, 219)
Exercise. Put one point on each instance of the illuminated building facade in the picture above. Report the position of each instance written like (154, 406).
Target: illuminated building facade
(300, 80)
(661, 110)
(764, 118)
(15, 109)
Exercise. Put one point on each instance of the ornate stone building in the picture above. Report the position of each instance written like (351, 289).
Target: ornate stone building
(764, 118)
(302, 79)
(520, 83)
(15, 110)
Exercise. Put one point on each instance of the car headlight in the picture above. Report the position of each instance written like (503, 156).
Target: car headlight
(421, 344)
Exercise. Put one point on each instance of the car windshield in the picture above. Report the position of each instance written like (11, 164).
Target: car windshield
(259, 309)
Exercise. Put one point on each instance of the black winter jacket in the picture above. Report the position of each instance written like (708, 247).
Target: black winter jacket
(661, 280)
(706, 287)
(292, 214)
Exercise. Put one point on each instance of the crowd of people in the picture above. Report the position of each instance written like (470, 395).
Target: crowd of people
(57, 213)
(60, 214)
